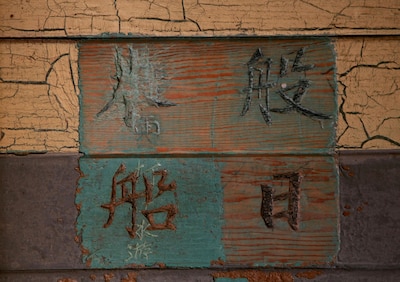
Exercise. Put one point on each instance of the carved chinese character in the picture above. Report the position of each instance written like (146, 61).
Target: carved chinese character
(130, 197)
(256, 66)
(292, 197)
(139, 83)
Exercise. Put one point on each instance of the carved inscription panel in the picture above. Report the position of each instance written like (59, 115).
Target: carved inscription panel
(201, 212)
(207, 96)
(202, 153)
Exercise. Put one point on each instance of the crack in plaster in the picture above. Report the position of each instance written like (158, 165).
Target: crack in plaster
(35, 136)
(387, 65)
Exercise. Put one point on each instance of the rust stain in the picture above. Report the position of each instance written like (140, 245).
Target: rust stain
(219, 261)
(67, 280)
(346, 213)
(88, 262)
(311, 274)
(160, 265)
(256, 275)
(92, 277)
(108, 277)
(345, 167)
(84, 251)
(78, 169)
(346, 170)
(130, 278)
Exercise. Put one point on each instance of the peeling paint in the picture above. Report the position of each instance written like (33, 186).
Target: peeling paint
(369, 79)
(190, 17)
(310, 274)
(39, 98)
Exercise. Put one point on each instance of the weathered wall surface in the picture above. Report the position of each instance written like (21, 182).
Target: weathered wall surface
(39, 84)
(35, 18)
(39, 112)
(38, 96)
(368, 75)
(43, 202)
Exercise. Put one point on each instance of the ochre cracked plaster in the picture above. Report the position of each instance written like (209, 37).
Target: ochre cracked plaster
(39, 97)
(38, 78)
(368, 74)
(38, 18)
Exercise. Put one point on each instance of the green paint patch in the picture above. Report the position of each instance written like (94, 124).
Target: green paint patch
(186, 96)
(195, 239)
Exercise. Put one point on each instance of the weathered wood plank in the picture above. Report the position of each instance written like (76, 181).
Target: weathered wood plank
(43, 203)
(194, 96)
(205, 275)
(193, 18)
(210, 211)
(248, 242)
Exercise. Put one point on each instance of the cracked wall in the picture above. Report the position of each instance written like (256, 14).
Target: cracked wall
(38, 95)
(368, 74)
(54, 18)
(38, 77)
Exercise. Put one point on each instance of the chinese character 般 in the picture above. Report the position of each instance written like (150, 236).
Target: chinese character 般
(262, 84)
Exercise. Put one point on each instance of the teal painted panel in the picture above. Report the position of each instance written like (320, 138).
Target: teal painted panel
(207, 211)
(193, 240)
(221, 96)
(151, 112)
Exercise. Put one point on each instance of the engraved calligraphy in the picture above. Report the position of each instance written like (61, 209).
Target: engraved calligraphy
(292, 196)
(261, 83)
(131, 181)
(138, 83)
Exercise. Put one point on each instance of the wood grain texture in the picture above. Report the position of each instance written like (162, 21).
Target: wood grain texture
(204, 85)
(193, 18)
(246, 239)
(24, 65)
(218, 221)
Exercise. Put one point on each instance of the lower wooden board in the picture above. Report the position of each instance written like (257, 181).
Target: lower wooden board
(209, 211)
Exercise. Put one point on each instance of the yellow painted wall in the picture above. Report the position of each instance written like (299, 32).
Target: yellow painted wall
(39, 110)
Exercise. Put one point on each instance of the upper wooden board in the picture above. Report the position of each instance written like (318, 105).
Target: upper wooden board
(224, 96)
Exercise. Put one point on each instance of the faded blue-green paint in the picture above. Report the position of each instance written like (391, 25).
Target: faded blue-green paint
(209, 97)
(144, 98)
(197, 238)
